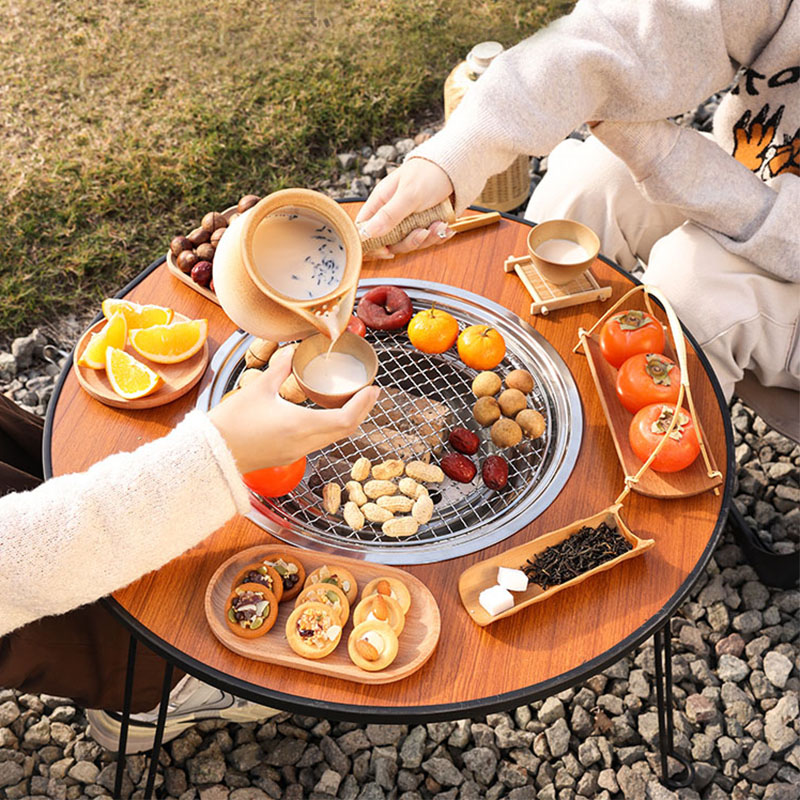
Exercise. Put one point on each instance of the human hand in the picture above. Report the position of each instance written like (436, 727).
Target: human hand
(264, 430)
(417, 185)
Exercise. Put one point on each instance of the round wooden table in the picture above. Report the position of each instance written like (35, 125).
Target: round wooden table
(474, 670)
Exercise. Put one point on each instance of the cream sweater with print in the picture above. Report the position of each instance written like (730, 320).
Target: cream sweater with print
(632, 64)
(78, 537)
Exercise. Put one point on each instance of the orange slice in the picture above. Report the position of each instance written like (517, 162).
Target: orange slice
(169, 344)
(137, 316)
(130, 378)
(113, 334)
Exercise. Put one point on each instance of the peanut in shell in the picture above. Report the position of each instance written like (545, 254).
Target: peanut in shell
(353, 516)
(355, 493)
(386, 470)
(422, 510)
(424, 473)
(331, 497)
(375, 513)
(410, 488)
(376, 489)
(361, 469)
(398, 527)
(397, 504)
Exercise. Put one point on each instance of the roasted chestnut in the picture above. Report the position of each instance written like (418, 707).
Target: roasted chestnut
(186, 260)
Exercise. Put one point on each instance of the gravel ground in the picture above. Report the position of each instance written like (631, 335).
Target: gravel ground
(736, 666)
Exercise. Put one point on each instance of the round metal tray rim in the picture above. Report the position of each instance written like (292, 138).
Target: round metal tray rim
(551, 473)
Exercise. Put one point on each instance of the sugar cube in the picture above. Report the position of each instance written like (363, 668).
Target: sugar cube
(496, 600)
(515, 580)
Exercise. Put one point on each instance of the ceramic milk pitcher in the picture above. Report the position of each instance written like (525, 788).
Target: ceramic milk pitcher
(289, 267)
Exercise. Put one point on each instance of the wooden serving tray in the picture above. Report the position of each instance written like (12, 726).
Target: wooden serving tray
(417, 641)
(690, 481)
(483, 575)
(178, 378)
(186, 279)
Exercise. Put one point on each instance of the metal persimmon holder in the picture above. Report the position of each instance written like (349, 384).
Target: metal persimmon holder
(684, 390)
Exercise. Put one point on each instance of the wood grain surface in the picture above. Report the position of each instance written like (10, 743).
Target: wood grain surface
(417, 641)
(178, 378)
(576, 632)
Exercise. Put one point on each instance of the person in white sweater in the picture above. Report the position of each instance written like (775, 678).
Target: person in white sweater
(76, 538)
(714, 218)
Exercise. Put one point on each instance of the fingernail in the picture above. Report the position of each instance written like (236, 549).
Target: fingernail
(362, 231)
(444, 233)
(419, 237)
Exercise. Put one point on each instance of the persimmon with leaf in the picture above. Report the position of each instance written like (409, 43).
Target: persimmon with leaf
(648, 378)
(649, 427)
(630, 332)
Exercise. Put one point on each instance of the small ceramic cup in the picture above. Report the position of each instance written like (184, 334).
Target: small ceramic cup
(561, 272)
(348, 343)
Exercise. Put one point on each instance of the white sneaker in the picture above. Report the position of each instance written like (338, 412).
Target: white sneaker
(189, 702)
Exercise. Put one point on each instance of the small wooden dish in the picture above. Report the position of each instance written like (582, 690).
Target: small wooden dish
(417, 642)
(483, 575)
(178, 378)
(187, 279)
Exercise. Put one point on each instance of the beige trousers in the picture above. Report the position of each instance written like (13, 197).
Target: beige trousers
(742, 317)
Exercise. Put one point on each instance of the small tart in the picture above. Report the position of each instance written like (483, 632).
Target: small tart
(263, 574)
(313, 630)
(383, 608)
(396, 589)
(372, 645)
(291, 571)
(247, 598)
(339, 576)
(329, 594)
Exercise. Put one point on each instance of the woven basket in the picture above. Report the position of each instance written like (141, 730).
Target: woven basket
(508, 189)
(444, 212)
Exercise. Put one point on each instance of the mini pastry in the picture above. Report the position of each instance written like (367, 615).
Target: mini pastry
(251, 610)
(372, 645)
(291, 572)
(392, 587)
(313, 631)
(381, 608)
(329, 595)
(263, 574)
(338, 576)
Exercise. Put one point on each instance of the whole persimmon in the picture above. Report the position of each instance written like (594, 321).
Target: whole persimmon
(481, 347)
(433, 330)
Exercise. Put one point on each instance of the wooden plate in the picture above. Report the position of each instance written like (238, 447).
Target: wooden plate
(178, 378)
(483, 575)
(690, 481)
(417, 641)
(186, 279)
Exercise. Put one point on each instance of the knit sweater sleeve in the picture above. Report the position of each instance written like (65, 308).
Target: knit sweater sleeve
(78, 537)
(681, 167)
(617, 60)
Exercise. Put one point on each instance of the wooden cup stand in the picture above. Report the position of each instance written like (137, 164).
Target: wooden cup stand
(548, 296)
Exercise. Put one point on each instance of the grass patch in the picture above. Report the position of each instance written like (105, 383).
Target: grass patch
(124, 122)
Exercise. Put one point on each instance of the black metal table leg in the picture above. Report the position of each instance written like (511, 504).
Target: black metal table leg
(126, 717)
(162, 718)
(663, 657)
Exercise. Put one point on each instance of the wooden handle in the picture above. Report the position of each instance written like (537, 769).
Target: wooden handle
(475, 221)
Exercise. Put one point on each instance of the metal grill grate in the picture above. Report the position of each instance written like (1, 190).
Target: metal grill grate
(424, 397)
